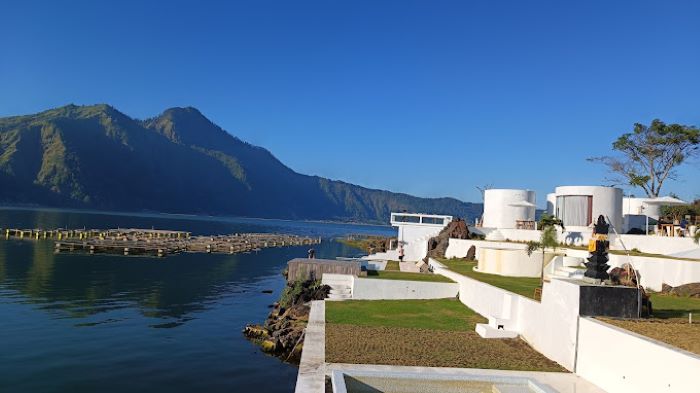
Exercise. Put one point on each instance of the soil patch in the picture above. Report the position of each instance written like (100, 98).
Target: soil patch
(676, 332)
(431, 348)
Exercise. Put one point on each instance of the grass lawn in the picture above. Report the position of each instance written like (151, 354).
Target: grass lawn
(665, 307)
(431, 333)
(440, 314)
(392, 265)
(521, 285)
(396, 275)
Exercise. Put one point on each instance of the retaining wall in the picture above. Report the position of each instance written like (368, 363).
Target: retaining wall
(549, 326)
(378, 289)
(620, 361)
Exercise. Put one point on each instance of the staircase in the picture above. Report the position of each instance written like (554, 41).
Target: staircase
(495, 328)
(568, 272)
(341, 286)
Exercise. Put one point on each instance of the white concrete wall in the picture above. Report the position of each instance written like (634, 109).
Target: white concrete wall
(415, 240)
(409, 233)
(457, 248)
(378, 289)
(621, 361)
(549, 326)
(654, 244)
(658, 271)
(498, 209)
(654, 271)
(640, 206)
(510, 262)
(551, 202)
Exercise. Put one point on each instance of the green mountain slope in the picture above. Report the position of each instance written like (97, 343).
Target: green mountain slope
(178, 162)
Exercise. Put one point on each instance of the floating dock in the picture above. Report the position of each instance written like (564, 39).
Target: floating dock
(155, 242)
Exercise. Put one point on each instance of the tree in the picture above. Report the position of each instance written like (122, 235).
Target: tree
(649, 155)
(548, 239)
(677, 212)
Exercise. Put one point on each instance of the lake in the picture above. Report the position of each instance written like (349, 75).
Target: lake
(81, 323)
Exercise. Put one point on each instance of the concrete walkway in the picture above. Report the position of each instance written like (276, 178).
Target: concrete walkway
(409, 267)
(312, 367)
(560, 382)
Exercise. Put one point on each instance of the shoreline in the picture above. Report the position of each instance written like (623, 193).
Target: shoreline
(199, 217)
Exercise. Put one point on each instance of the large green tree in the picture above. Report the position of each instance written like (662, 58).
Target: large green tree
(649, 155)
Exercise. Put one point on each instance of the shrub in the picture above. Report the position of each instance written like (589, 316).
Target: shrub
(291, 293)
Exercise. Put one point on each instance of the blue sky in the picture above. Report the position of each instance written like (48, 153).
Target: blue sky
(431, 98)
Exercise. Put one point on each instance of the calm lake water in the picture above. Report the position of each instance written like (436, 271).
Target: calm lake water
(80, 323)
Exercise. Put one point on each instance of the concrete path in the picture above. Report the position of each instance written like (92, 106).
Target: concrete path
(560, 382)
(312, 367)
(409, 267)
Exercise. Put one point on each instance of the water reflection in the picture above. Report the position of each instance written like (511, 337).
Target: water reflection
(80, 323)
(79, 286)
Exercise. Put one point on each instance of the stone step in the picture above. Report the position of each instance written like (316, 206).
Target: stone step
(347, 291)
(334, 296)
(487, 331)
(331, 281)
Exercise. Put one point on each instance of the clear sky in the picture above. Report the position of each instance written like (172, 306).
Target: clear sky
(431, 98)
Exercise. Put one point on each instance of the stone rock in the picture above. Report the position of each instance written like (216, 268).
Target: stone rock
(457, 229)
(625, 275)
(687, 290)
(471, 253)
(283, 329)
(665, 288)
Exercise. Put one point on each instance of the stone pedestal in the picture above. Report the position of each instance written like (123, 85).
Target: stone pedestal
(608, 301)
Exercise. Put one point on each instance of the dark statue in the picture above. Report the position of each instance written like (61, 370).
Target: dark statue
(597, 265)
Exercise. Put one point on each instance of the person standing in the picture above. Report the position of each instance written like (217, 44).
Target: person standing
(312, 253)
(401, 253)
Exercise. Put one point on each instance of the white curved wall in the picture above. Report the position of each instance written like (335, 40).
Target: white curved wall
(551, 202)
(498, 209)
(512, 263)
(640, 207)
(606, 201)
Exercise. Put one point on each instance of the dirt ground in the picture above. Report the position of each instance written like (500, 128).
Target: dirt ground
(431, 348)
(676, 332)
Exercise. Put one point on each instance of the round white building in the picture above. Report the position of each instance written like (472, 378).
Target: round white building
(580, 206)
(504, 208)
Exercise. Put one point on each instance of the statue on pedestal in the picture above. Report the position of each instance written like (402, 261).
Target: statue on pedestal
(597, 265)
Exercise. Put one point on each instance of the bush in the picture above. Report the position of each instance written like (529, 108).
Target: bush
(291, 293)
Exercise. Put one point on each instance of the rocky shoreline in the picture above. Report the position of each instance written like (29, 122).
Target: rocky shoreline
(282, 333)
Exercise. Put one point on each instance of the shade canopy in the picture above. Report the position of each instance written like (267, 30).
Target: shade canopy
(522, 204)
(667, 200)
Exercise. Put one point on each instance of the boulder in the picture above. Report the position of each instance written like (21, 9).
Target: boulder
(471, 253)
(625, 275)
(687, 290)
(457, 229)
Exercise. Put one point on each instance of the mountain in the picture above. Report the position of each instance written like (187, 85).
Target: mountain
(178, 162)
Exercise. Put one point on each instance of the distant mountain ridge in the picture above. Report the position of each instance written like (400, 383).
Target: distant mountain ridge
(178, 162)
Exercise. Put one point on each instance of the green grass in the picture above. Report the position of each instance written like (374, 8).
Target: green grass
(392, 265)
(440, 314)
(524, 286)
(395, 275)
(666, 306)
